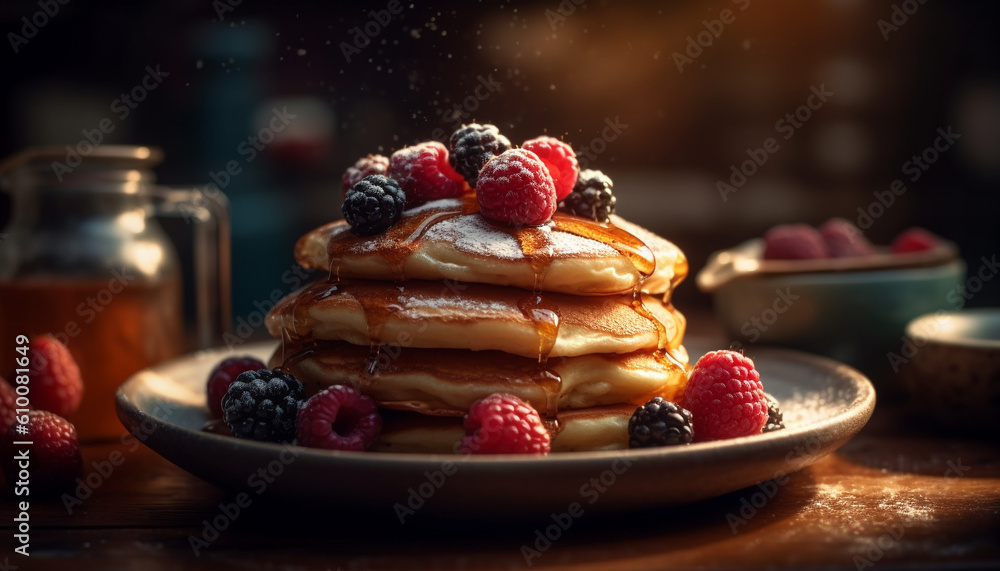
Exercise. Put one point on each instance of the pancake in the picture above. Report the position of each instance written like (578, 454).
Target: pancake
(446, 382)
(600, 428)
(428, 314)
(448, 240)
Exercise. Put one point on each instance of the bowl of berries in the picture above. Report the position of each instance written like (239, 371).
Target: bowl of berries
(828, 290)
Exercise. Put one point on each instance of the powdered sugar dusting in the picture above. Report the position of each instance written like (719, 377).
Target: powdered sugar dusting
(473, 234)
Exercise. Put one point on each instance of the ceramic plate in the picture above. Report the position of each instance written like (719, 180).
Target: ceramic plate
(825, 403)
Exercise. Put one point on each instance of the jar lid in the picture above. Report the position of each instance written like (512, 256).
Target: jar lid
(104, 163)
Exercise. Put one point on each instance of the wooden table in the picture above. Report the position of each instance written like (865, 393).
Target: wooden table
(897, 496)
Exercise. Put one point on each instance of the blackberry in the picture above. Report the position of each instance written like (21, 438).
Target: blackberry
(262, 405)
(373, 204)
(472, 145)
(591, 197)
(775, 420)
(659, 423)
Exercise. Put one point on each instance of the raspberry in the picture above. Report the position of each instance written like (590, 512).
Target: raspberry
(223, 375)
(516, 189)
(472, 146)
(794, 242)
(914, 240)
(365, 166)
(338, 418)
(659, 423)
(8, 405)
(591, 197)
(423, 172)
(504, 424)
(775, 419)
(725, 397)
(844, 240)
(560, 160)
(262, 405)
(53, 377)
(373, 205)
(56, 462)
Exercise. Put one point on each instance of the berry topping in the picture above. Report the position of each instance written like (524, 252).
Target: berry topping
(365, 166)
(515, 188)
(725, 396)
(338, 418)
(56, 462)
(223, 375)
(591, 197)
(8, 405)
(504, 424)
(659, 423)
(423, 172)
(844, 240)
(373, 205)
(794, 242)
(914, 240)
(54, 377)
(262, 405)
(560, 160)
(775, 420)
(472, 146)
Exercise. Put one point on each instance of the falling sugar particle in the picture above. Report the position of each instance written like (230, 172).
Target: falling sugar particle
(552, 87)
(301, 51)
(199, 64)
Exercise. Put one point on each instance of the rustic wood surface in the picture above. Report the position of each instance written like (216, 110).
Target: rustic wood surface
(899, 495)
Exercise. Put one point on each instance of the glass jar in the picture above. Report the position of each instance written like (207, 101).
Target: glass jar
(86, 260)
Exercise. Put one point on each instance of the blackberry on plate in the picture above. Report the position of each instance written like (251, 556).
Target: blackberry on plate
(373, 204)
(775, 419)
(472, 146)
(263, 405)
(592, 197)
(659, 423)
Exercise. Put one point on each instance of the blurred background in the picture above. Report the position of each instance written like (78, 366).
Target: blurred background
(666, 98)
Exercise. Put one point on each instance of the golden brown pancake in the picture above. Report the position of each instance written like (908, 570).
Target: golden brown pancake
(446, 382)
(448, 240)
(428, 314)
(598, 428)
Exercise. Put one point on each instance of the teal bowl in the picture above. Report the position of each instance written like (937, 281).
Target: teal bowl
(852, 310)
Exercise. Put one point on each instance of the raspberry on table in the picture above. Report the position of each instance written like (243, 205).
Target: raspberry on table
(53, 376)
(560, 160)
(914, 240)
(725, 397)
(223, 375)
(592, 197)
(844, 240)
(424, 173)
(504, 424)
(8, 405)
(365, 166)
(516, 189)
(659, 423)
(472, 146)
(262, 405)
(373, 205)
(794, 242)
(338, 418)
(775, 419)
(55, 457)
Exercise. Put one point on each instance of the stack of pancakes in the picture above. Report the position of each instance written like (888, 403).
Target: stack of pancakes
(447, 307)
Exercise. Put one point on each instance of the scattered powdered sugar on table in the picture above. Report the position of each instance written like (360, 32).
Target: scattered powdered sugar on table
(804, 409)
